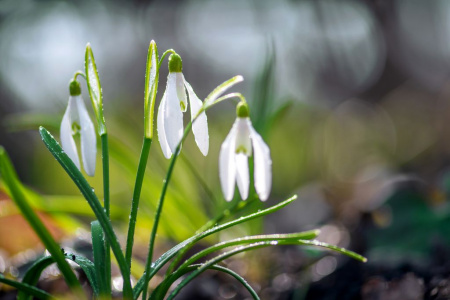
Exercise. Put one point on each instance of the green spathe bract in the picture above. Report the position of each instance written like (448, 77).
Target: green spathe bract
(104, 236)
(95, 89)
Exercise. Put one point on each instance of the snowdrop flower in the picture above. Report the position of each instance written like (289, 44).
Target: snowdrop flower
(76, 120)
(233, 159)
(170, 112)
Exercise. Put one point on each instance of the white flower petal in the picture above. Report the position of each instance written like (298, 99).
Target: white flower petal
(67, 142)
(200, 126)
(181, 92)
(161, 130)
(173, 117)
(262, 165)
(243, 141)
(227, 164)
(242, 176)
(88, 138)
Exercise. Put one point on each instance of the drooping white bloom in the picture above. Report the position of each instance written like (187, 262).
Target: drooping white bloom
(76, 120)
(170, 115)
(241, 143)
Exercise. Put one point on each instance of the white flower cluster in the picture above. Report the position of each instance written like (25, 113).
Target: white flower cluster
(241, 143)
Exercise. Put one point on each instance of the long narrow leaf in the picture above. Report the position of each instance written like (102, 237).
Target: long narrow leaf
(28, 289)
(240, 249)
(98, 248)
(254, 246)
(334, 248)
(217, 268)
(33, 274)
(12, 182)
(307, 235)
(219, 258)
(163, 259)
(93, 201)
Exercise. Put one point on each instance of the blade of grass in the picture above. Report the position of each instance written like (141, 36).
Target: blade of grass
(163, 259)
(98, 249)
(220, 269)
(10, 178)
(307, 235)
(56, 150)
(28, 289)
(33, 274)
(246, 240)
(254, 246)
(334, 248)
(211, 262)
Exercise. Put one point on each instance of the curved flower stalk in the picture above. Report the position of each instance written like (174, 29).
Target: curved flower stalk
(76, 120)
(170, 112)
(233, 159)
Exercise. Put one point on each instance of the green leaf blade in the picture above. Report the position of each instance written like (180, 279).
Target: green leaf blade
(27, 289)
(334, 248)
(163, 259)
(33, 274)
(12, 182)
(84, 187)
(251, 239)
(98, 248)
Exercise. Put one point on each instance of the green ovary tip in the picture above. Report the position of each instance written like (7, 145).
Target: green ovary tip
(175, 63)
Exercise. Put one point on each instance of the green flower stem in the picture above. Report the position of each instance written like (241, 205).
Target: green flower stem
(163, 259)
(150, 96)
(26, 288)
(171, 51)
(93, 201)
(106, 205)
(9, 176)
(79, 73)
(160, 206)
(136, 195)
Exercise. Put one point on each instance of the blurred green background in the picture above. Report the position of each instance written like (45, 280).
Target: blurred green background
(351, 96)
